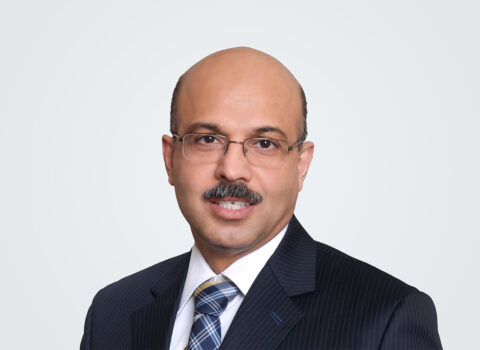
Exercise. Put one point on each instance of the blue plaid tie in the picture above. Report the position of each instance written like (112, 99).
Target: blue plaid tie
(211, 299)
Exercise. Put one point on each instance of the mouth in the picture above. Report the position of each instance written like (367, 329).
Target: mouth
(231, 207)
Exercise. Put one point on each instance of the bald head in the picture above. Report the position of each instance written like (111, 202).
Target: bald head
(248, 72)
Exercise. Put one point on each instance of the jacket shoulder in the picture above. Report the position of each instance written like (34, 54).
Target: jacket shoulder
(134, 291)
(108, 322)
(396, 314)
(355, 274)
(144, 279)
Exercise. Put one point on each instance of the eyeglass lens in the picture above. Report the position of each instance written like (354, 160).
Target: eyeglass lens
(206, 148)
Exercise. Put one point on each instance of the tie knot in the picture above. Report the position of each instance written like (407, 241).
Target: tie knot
(212, 296)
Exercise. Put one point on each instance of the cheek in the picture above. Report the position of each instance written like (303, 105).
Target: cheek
(192, 180)
(189, 190)
(279, 183)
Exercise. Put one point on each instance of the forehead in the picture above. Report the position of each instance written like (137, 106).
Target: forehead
(240, 102)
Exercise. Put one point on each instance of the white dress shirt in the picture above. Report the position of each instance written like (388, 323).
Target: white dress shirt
(242, 272)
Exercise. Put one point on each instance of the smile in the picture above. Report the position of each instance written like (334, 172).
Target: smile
(232, 208)
(233, 205)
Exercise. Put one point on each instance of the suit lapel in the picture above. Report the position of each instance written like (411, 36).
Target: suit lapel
(265, 317)
(152, 325)
(267, 313)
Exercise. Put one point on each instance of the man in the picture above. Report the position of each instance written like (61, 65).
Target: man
(254, 279)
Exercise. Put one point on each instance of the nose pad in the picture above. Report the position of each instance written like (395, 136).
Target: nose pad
(233, 167)
(226, 148)
(245, 150)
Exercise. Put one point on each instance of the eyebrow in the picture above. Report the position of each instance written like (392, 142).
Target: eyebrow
(214, 128)
(271, 129)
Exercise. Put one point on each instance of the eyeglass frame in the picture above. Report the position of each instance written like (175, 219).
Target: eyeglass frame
(289, 147)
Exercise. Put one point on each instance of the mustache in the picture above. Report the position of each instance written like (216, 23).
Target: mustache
(238, 190)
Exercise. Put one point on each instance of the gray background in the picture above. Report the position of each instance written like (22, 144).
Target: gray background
(85, 87)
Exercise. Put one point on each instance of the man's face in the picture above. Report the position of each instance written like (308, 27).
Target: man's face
(238, 106)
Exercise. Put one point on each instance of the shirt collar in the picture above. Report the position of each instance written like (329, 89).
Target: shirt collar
(246, 269)
(242, 272)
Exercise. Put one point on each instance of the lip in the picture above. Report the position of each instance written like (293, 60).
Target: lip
(229, 214)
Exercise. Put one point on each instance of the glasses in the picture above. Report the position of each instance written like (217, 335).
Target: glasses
(259, 151)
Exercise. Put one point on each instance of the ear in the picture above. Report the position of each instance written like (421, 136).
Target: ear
(167, 148)
(304, 159)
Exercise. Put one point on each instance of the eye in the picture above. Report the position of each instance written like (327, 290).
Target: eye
(266, 144)
(206, 139)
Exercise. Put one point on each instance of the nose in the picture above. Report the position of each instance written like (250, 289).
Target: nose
(234, 166)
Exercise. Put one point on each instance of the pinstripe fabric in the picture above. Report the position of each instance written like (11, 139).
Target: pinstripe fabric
(137, 310)
(211, 299)
(308, 296)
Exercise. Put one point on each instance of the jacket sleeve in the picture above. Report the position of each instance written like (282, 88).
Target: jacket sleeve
(412, 325)
(86, 339)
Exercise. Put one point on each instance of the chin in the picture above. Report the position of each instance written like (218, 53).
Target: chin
(228, 241)
(231, 245)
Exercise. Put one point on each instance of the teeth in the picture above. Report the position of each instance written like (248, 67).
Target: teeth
(233, 205)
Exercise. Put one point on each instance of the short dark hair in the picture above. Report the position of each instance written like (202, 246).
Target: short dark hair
(173, 109)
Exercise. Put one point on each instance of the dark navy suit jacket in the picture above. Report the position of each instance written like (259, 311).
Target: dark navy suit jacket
(308, 296)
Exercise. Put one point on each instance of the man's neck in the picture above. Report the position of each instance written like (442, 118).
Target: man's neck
(219, 258)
